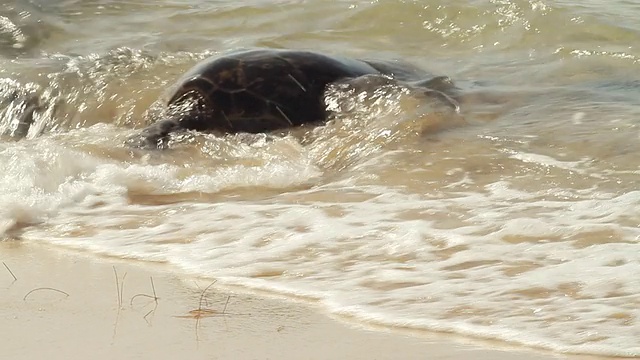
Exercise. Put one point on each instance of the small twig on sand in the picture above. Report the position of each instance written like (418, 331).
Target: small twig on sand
(115, 272)
(149, 313)
(206, 302)
(202, 312)
(119, 293)
(44, 288)
(143, 295)
(202, 295)
(154, 297)
(119, 288)
(153, 287)
(225, 304)
(10, 272)
(199, 313)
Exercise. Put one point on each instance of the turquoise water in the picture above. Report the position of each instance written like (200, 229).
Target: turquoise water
(517, 221)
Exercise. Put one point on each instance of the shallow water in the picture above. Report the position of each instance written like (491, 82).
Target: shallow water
(518, 220)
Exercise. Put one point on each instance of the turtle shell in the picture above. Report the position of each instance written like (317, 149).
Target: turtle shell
(260, 90)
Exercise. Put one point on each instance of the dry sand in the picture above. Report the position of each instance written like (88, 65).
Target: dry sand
(89, 323)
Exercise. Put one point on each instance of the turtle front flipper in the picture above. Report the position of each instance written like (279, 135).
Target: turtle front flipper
(28, 105)
(155, 136)
(32, 104)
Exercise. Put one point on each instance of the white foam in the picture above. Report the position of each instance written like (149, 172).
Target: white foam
(372, 265)
(500, 262)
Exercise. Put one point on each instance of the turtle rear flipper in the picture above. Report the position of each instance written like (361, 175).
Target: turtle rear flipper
(444, 98)
(368, 82)
(435, 88)
(441, 88)
(440, 83)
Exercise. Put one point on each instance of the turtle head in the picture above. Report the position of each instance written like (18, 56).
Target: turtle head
(191, 109)
(188, 111)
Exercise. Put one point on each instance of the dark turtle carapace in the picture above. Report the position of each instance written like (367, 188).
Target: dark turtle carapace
(264, 90)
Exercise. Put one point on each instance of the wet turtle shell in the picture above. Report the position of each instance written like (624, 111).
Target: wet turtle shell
(262, 90)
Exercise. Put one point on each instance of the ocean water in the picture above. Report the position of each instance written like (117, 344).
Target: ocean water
(516, 220)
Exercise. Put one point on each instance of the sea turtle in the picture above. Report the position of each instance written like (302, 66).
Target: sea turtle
(262, 90)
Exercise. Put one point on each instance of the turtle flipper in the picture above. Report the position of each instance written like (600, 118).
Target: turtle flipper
(367, 82)
(441, 88)
(440, 83)
(26, 119)
(155, 136)
(29, 104)
(435, 88)
(446, 99)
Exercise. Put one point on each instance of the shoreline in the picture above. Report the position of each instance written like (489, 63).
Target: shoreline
(64, 304)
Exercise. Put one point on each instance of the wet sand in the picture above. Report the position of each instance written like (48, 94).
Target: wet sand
(86, 321)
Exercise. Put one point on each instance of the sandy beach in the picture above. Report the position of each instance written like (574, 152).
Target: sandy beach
(64, 305)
